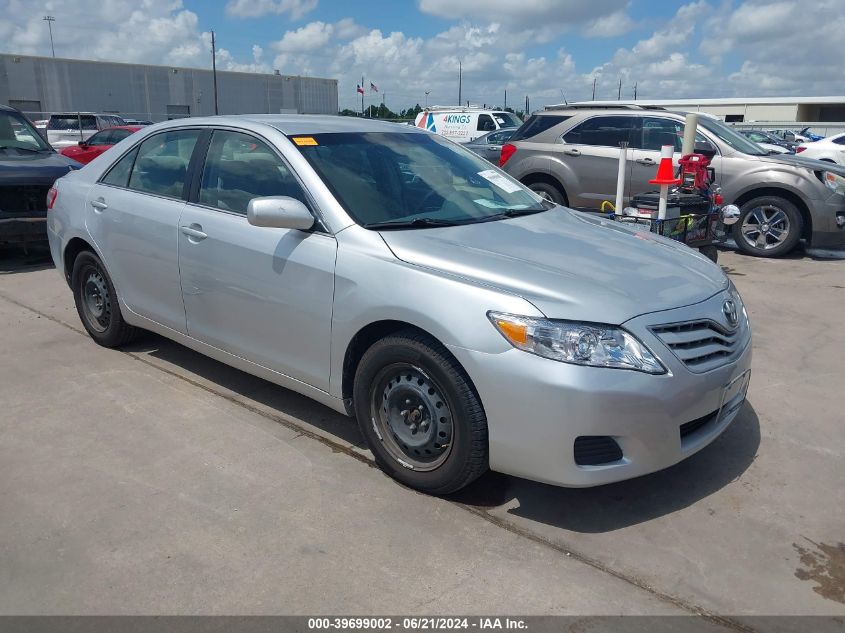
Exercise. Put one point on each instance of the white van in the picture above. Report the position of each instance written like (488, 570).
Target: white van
(464, 124)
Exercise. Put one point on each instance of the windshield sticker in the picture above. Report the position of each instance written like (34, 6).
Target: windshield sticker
(499, 180)
(491, 204)
(305, 140)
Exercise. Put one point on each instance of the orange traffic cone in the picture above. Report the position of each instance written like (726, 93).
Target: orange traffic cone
(665, 171)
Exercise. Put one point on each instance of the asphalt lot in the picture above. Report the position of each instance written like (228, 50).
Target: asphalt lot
(154, 480)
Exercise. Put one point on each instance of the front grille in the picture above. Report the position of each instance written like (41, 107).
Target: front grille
(694, 425)
(24, 199)
(594, 450)
(701, 345)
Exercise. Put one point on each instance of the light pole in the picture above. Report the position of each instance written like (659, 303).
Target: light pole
(427, 92)
(460, 77)
(49, 19)
(214, 69)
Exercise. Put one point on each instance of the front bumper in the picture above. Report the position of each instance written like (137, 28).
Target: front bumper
(827, 233)
(536, 408)
(22, 229)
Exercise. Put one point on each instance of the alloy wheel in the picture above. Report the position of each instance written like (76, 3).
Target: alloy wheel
(765, 227)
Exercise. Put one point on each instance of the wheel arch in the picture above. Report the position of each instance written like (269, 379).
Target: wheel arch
(365, 337)
(535, 177)
(794, 198)
(72, 249)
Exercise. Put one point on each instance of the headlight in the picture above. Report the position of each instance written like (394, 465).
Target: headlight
(590, 344)
(834, 182)
(737, 299)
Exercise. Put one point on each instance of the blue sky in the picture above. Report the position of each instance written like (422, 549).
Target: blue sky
(541, 48)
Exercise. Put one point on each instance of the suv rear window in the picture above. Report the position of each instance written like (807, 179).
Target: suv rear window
(71, 122)
(536, 124)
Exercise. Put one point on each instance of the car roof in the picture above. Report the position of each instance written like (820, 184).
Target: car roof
(293, 124)
(131, 128)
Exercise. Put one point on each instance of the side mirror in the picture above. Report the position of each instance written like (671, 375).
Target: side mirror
(82, 143)
(705, 149)
(280, 212)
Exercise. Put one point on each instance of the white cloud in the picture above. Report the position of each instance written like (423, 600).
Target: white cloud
(310, 37)
(613, 25)
(524, 11)
(257, 8)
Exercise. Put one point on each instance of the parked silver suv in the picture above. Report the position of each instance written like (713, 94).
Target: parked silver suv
(571, 156)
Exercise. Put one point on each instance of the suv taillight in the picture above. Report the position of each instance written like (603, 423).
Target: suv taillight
(52, 194)
(508, 150)
(799, 149)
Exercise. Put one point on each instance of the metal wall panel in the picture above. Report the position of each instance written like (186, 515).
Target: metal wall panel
(147, 92)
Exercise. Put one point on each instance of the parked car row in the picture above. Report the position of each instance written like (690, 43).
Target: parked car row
(571, 156)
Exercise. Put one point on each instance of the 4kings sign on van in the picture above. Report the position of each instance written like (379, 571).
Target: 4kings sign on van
(464, 124)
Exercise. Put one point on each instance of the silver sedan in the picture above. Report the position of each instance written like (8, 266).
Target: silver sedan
(396, 277)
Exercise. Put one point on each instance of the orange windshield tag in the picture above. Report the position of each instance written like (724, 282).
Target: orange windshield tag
(304, 140)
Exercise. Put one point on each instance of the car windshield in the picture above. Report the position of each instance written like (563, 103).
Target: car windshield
(17, 133)
(727, 135)
(409, 180)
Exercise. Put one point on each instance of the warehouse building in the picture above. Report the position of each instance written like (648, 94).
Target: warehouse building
(41, 85)
(750, 110)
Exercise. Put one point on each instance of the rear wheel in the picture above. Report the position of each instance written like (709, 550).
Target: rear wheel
(420, 414)
(768, 226)
(549, 192)
(96, 302)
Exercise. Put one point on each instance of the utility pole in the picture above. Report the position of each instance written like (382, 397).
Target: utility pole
(594, 88)
(214, 69)
(362, 95)
(635, 91)
(49, 19)
(527, 105)
(619, 95)
(460, 80)
(427, 92)
(506, 99)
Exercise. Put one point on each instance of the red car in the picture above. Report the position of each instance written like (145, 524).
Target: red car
(86, 151)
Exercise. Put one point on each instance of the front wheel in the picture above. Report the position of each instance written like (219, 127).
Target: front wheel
(768, 226)
(419, 414)
(96, 302)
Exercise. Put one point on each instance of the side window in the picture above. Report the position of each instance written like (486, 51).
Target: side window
(118, 135)
(101, 138)
(605, 131)
(240, 167)
(163, 162)
(657, 132)
(118, 175)
(485, 123)
(840, 140)
(536, 125)
(498, 138)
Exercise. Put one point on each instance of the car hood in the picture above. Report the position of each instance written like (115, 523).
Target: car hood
(800, 161)
(33, 169)
(570, 265)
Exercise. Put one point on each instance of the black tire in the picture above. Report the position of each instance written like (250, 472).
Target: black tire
(710, 252)
(788, 223)
(550, 192)
(400, 357)
(96, 302)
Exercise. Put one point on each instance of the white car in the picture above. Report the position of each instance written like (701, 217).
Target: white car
(463, 125)
(831, 149)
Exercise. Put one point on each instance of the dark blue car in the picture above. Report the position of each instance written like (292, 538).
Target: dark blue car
(28, 168)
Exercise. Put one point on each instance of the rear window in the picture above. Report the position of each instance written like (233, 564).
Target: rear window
(71, 122)
(536, 125)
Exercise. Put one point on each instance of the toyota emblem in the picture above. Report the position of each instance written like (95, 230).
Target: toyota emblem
(729, 308)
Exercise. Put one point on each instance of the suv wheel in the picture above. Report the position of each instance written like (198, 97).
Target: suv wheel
(768, 226)
(419, 413)
(549, 192)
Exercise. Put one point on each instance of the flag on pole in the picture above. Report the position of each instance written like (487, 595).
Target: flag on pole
(360, 89)
(373, 87)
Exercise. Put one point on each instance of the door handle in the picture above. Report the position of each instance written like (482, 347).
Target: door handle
(194, 231)
(572, 152)
(99, 205)
(646, 161)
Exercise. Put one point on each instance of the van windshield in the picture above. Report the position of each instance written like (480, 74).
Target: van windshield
(507, 119)
(407, 180)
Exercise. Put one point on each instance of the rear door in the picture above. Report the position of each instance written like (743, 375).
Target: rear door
(592, 149)
(133, 215)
